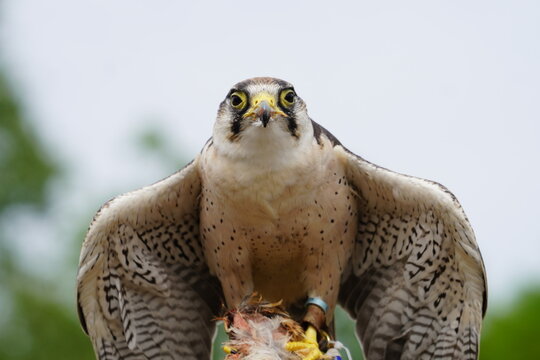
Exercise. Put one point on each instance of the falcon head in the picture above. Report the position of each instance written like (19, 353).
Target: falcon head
(261, 117)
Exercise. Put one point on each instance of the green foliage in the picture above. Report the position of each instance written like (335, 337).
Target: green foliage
(221, 337)
(25, 168)
(32, 325)
(513, 333)
(346, 333)
(40, 328)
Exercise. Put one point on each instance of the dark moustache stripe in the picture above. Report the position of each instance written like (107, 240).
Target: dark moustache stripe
(292, 125)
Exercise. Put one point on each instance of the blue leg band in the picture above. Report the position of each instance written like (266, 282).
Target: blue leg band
(317, 301)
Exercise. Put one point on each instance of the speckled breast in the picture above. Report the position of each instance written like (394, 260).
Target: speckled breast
(277, 239)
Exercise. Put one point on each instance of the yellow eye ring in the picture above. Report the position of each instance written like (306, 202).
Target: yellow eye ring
(238, 100)
(287, 97)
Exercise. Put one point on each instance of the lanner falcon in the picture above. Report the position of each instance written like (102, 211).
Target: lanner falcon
(274, 204)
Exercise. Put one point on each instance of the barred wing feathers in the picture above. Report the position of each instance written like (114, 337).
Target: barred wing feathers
(416, 283)
(144, 290)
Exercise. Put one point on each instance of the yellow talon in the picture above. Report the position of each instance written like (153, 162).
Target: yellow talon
(308, 349)
(229, 350)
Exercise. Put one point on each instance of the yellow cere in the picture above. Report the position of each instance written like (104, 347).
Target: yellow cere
(263, 96)
(267, 98)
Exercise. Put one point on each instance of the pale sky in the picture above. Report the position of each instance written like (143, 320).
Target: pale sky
(445, 90)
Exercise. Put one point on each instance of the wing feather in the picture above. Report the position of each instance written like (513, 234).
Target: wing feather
(144, 289)
(416, 284)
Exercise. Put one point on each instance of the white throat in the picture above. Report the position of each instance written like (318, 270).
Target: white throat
(266, 148)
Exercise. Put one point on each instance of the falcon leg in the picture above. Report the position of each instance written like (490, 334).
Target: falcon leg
(315, 316)
(315, 319)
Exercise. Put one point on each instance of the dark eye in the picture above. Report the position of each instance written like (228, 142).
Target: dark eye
(238, 100)
(235, 100)
(287, 97)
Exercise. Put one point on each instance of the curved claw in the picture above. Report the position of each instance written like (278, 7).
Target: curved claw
(308, 349)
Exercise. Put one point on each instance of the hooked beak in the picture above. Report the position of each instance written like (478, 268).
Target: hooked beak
(263, 107)
(265, 112)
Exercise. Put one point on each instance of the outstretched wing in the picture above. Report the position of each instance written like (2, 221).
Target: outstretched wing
(416, 284)
(144, 290)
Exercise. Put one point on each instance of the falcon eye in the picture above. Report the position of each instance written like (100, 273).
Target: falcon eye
(287, 97)
(235, 100)
(238, 100)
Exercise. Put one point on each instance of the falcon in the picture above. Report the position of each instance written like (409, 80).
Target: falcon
(274, 204)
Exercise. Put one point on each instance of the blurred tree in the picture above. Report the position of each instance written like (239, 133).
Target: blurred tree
(25, 168)
(32, 325)
(514, 332)
(40, 328)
